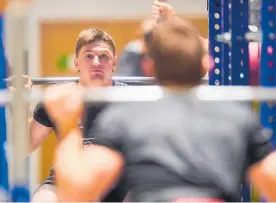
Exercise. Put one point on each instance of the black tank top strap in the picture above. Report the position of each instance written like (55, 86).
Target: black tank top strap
(116, 83)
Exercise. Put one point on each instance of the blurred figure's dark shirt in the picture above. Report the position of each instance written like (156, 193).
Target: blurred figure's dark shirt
(181, 147)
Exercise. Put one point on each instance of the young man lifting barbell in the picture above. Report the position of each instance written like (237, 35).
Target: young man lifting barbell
(95, 61)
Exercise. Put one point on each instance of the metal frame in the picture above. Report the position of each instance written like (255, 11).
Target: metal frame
(219, 23)
(268, 62)
(215, 20)
(226, 48)
(128, 80)
(4, 183)
(237, 37)
(150, 93)
(239, 45)
(15, 30)
(240, 57)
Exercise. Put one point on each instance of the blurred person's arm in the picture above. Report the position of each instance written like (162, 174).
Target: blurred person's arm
(85, 175)
(160, 8)
(262, 159)
(82, 174)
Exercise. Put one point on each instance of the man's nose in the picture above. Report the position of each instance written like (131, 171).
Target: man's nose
(96, 61)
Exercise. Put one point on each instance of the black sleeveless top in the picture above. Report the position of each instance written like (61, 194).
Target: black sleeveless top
(92, 111)
(41, 116)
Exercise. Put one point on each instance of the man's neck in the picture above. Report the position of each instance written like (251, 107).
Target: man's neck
(173, 88)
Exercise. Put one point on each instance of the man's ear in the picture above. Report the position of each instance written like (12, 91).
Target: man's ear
(207, 64)
(147, 66)
(76, 63)
(115, 61)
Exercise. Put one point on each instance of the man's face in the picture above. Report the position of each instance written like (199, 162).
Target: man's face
(96, 62)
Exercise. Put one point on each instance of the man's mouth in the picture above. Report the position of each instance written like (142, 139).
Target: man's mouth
(97, 74)
(96, 71)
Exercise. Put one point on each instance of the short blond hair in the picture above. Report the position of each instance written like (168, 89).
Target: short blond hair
(92, 35)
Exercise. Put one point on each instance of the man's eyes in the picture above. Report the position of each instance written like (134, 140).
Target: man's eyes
(89, 56)
(102, 56)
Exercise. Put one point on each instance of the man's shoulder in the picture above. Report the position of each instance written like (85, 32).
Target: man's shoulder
(240, 114)
(228, 107)
(39, 108)
(127, 111)
(117, 83)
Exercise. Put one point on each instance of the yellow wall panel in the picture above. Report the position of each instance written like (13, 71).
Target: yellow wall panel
(2, 5)
(47, 156)
(59, 39)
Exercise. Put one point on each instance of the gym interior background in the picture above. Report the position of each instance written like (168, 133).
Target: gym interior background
(52, 31)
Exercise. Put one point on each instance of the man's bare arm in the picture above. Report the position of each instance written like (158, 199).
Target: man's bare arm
(159, 8)
(85, 175)
(263, 176)
(38, 134)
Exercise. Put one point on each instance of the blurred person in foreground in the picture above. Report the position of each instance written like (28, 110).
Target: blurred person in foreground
(167, 150)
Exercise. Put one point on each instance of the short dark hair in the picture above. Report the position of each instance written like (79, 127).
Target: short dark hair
(177, 52)
(91, 35)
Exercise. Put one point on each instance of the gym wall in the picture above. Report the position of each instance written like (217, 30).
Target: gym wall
(2, 6)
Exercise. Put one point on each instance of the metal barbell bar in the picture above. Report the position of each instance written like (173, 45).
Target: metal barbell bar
(153, 93)
(57, 80)
(128, 80)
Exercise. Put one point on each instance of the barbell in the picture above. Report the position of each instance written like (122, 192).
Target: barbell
(57, 80)
(128, 80)
(154, 93)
